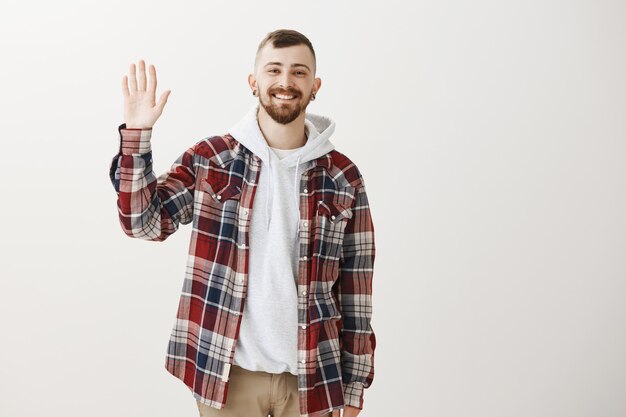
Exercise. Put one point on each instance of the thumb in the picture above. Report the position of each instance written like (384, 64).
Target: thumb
(163, 100)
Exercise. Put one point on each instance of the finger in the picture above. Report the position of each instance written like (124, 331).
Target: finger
(141, 81)
(152, 81)
(125, 91)
(163, 100)
(132, 79)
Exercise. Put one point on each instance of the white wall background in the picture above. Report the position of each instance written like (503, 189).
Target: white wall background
(492, 137)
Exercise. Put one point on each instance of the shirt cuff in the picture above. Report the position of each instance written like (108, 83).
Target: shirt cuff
(353, 394)
(134, 140)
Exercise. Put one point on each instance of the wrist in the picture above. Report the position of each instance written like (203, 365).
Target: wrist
(134, 140)
(353, 394)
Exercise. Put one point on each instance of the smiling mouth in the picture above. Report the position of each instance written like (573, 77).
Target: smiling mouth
(284, 97)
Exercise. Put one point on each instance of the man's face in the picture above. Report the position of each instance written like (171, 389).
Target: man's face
(287, 73)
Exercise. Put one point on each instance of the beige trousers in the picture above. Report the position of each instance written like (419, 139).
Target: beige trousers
(257, 394)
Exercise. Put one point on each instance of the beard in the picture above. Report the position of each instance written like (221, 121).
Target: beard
(284, 112)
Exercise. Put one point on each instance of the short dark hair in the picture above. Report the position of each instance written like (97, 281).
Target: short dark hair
(282, 38)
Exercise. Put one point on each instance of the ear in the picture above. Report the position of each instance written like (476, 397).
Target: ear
(317, 84)
(252, 82)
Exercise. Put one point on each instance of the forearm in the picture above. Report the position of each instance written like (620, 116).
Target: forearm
(355, 299)
(150, 208)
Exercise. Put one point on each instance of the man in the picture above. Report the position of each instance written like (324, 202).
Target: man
(275, 310)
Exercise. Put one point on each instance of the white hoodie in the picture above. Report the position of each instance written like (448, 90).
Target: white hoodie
(268, 336)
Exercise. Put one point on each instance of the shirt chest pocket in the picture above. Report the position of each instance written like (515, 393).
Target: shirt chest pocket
(217, 202)
(220, 191)
(335, 212)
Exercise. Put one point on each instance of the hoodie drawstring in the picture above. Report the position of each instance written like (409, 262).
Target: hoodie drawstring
(269, 192)
(297, 193)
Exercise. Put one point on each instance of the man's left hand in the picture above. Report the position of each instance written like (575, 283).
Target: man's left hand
(347, 412)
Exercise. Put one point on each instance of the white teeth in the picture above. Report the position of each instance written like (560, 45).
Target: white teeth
(283, 97)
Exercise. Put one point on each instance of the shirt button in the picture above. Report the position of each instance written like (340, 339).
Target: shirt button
(303, 326)
(305, 224)
(303, 361)
(219, 197)
(236, 313)
(243, 245)
(306, 191)
(303, 292)
(304, 258)
(332, 217)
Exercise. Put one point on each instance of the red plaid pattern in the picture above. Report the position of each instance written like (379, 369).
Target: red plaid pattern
(212, 185)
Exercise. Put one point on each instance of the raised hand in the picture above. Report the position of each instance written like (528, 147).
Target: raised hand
(140, 109)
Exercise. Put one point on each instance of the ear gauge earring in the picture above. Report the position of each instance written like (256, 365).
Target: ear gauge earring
(313, 96)
(254, 93)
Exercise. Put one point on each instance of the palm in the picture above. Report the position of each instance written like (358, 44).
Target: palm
(140, 108)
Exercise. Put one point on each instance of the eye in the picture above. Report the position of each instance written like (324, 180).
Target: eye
(274, 69)
(300, 72)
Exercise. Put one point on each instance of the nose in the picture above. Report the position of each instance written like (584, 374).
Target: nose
(286, 80)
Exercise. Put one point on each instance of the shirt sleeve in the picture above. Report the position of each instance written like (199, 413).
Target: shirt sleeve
(150, 208)
(355, 301)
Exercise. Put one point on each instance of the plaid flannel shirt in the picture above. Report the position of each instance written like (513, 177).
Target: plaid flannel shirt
(212, 185)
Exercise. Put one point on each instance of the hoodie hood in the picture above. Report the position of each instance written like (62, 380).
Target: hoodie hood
(318, 129)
